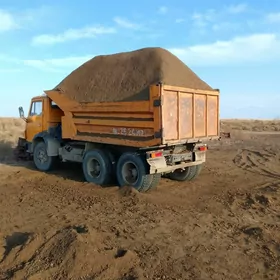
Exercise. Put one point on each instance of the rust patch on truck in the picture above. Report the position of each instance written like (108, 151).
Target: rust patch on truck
(170, 115)
(185, 115)
(200, 120)
(212, 115)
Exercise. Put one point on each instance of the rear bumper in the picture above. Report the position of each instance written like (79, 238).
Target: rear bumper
(192, 140)
(159, 165)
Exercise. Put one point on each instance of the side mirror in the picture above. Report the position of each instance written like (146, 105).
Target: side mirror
(21, 113)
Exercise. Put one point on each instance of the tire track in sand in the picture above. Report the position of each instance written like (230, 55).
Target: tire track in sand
(264, 162)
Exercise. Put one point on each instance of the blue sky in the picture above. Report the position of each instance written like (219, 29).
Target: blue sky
(232, 45)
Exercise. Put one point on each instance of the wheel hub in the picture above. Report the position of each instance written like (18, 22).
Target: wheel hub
(130, 173)
(42, 156)
(94, 168)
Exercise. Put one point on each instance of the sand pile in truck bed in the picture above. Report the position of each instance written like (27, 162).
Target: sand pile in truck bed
(126, 76)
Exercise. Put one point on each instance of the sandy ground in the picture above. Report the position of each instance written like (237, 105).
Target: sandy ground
(224, 225)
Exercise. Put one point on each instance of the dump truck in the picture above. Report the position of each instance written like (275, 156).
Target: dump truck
(135, 142)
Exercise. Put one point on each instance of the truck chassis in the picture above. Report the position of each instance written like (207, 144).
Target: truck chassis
(103, 164)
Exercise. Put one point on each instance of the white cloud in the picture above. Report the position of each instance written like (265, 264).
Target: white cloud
(179, 20)
(217, 19)
(26, 19)
(122, 22)
(56, 64)
(203, 19)
(225, 26)
(273, 17)
(162, 10)
(38, 15)
(7, 21)
(4, 57)
(253, 48)
(71, 35)
(10, 70)
(51, 64)
(237, 9)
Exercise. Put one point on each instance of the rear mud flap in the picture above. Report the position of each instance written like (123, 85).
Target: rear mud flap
(156, 164)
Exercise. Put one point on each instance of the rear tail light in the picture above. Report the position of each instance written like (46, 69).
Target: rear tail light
(156, 154)
(202, 148)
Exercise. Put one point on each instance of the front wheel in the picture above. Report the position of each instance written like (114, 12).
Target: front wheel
(42, 161)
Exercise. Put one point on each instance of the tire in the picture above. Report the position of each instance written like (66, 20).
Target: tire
(154, 182)
(100, 161)
(42, 161)
(112, 158)
(196, 171)
(189, 174)
(127, 165)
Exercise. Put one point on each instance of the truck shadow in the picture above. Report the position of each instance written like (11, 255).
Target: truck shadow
(69, 171)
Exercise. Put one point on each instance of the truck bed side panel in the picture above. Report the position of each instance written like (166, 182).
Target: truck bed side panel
(189, 115)
(184, 115)
(134, 124)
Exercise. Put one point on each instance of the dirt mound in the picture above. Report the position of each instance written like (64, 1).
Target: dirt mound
(53, 257)
(10, 130)
(250, 125)
(126, 76)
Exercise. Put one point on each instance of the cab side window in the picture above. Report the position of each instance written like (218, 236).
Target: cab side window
(36, 109)
(53, 105)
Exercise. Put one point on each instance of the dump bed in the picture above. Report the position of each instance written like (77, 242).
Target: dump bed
(172, 115)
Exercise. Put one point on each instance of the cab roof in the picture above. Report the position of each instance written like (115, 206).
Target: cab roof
(39, 97)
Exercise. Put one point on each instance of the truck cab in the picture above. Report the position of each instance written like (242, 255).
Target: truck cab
(43, 114)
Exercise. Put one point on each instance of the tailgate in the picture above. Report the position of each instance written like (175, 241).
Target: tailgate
(189, 115)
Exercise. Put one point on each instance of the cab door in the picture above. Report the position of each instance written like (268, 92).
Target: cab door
(34, 120)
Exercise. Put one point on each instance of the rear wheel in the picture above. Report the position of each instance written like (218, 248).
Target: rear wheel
(154, 182)
(187, 174)
(195, 172)
(97, 167)
(132, 171)
(42, 161)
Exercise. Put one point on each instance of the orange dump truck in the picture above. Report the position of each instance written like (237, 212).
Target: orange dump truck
(135, 142)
